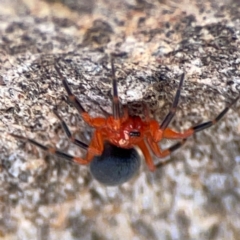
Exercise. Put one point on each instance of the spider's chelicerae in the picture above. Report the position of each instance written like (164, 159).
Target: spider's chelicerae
(111, 154)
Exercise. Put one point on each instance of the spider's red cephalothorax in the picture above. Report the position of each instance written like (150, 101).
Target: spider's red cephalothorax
(111, 154)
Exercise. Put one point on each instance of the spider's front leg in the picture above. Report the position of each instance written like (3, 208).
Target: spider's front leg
(93, 122)
(164, 132)
(158, 134)
(170, 134)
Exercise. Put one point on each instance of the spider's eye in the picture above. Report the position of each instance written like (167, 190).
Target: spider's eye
(134, 134)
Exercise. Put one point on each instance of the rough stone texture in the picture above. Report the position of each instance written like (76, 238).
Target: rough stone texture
(43, 197)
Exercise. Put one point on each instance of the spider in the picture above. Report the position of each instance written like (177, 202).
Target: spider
(111, 153)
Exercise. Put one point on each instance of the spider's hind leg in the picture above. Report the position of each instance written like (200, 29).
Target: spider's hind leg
(53, 150)
(170, 150)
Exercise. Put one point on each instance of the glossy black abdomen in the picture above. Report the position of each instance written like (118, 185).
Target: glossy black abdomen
(116, 165)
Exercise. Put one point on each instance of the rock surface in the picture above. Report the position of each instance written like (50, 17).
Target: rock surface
(43, 197)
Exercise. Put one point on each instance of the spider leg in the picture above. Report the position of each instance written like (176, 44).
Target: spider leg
(71, 96)
(147, 156)
(96, 145)
(53, 151)
(163, 153)
(173, 109)
(168, 133)
(171, 149)
(146, 112)
(208, 124)
(125, 113)
(69, 134)
(94, 122)
(115, 100)
(157, 150)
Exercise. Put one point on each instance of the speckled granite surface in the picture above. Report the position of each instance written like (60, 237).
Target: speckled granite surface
(43, 197)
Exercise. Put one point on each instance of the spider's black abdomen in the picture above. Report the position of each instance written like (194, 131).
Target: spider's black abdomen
(115, 166)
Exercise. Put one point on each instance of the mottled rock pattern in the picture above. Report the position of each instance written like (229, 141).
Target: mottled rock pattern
(43, 197)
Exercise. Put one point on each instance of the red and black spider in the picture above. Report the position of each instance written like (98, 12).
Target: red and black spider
(111, 154)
